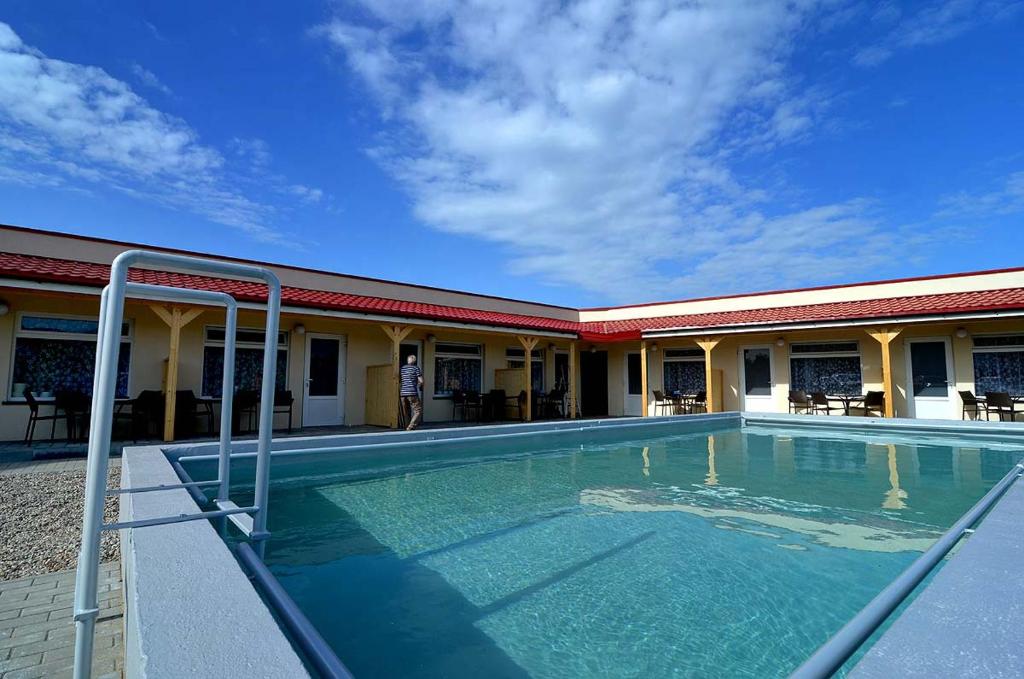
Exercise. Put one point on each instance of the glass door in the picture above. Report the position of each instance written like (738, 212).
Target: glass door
(929, 366)
(634, 385)
(757, 379)
(323, 400)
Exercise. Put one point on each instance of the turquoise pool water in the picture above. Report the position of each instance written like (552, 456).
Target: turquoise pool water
(728, 553)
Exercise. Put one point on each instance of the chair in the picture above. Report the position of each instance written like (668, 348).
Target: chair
(473, 405)
(188, 409)
(971, 404)
(1000, 403)
(820, 404)
(34, 417)
(74, 405)
(700, 401)
(458, 401)
(660, 402)
(283, 401)
(553, 404)
(146, 408)
(246, 404)
(494, 405)
(874, 401)
(798, 400)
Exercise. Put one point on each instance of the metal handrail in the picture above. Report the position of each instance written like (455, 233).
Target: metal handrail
(318, 651)
(108, 341)
(836, 651)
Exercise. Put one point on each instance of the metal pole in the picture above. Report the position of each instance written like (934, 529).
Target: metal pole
(259, 523)
(108, 337)
(830, 657)
(227, 395)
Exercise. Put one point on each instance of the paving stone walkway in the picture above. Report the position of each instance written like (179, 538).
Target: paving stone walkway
(37, 633)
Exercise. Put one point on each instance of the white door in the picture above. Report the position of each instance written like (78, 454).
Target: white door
(634, 395)
(323, 401)
(930, 376)
(757, 379)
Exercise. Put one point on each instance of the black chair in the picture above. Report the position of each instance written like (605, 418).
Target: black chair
(245, 404)
(283, 401)
(1000, 403)
(34, 417)
(971, 405)
(494, 404)
(458, 402)
(72, 407)
(821, 405)
(799, 401)
(874, 401)
(661, 402)
(147, 409)
(188, 410)
(700, 402)
(473, 406)
(553, 404)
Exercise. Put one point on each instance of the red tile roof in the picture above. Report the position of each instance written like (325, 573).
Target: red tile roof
(86, 273)
(28, 267)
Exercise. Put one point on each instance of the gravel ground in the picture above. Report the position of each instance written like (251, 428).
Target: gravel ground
(41, 522)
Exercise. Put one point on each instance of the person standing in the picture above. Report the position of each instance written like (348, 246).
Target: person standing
(412, 380)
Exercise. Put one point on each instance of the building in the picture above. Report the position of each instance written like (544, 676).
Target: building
(920, 340)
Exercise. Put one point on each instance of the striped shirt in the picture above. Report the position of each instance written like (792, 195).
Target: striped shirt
(410, 375)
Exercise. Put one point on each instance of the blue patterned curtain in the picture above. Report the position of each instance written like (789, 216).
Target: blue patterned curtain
(830, 374)
(451, 373)
(686, 377)
(248, 370)
(52, 365)
(999, 371)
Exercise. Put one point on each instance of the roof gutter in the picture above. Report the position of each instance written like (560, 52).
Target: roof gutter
(694, 331)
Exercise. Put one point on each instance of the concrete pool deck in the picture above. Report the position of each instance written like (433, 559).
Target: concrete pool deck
(950, 629)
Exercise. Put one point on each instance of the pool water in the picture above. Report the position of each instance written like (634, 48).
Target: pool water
(729, 552)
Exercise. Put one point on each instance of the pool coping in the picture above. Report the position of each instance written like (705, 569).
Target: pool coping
(242, 632)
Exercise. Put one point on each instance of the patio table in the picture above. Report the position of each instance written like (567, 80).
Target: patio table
(847, 400)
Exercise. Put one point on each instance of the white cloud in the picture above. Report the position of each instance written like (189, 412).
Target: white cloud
(65, 124)
(1007, 199)
(595, 140)
(149, 79)
(933, 23)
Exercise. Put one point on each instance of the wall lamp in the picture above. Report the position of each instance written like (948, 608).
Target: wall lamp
(5, 308)
(431, 338)
(961, 332)
(780, 342)
(299, 329)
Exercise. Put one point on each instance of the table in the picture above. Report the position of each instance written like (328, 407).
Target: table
(683, 402)
(847, 400)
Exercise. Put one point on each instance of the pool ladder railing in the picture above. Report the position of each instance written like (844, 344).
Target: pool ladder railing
(251, 520)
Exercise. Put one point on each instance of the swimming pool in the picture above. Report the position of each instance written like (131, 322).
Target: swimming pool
(655, 552)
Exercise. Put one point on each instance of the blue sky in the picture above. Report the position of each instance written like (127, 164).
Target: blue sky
(581, 153)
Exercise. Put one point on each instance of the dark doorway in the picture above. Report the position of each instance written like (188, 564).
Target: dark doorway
(594, 383)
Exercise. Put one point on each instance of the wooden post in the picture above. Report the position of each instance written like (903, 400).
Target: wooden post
(643, 377)
(176, 319)
(885, 336)
(528, 344)
(707, 344)
(396, 333)
(572, 380)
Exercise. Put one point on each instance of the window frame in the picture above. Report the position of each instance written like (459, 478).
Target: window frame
(283, 344)
(127, 335)
(478, 356)
(690, 358)
(536, 356)
(1005, 349)
(855, 353)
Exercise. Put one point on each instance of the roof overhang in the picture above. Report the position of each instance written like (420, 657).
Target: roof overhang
(695, 331)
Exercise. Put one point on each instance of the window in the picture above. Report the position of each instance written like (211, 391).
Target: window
(683, 371)
(248, 360)
(562, 370)
(830, 367)
(58, 353)
(457, 366)
(514, 359)
(634, 376)
(999, 364)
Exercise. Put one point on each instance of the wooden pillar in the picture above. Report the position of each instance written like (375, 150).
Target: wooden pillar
(176, 319)
(396, 333)
(572, 381)
(707, 344)
(885, 336)
(528, 344)
(643, 377)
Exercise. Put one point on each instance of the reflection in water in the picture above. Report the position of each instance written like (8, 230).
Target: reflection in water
(712, 477)
(895, 496)
(647, 461)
